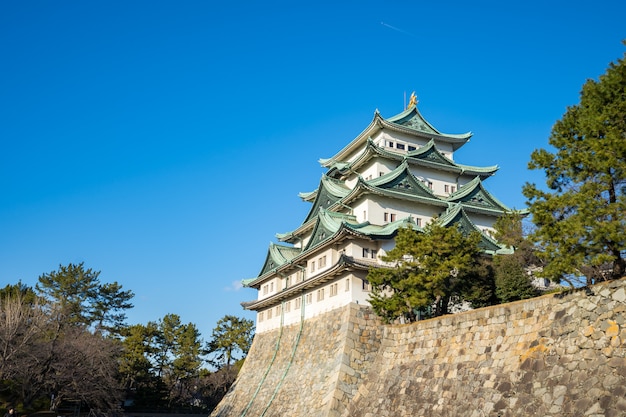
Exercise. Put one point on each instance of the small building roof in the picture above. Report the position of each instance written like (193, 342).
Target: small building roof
(409, 122)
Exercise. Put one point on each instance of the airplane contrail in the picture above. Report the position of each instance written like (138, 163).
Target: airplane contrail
(397, 29)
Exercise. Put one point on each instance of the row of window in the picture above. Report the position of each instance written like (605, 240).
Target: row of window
(300, 276)
(370, 253)
(267, 288)
(321, 263)
(320, 294)
(400, 146)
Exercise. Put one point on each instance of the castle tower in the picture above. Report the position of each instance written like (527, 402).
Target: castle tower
(399, 171)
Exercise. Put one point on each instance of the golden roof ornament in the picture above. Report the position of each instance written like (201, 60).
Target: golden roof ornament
(412, 100)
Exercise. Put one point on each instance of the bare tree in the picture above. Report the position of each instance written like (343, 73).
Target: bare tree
(42, 356)
(85, 369)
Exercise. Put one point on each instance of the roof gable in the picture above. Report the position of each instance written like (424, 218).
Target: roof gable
(456, 216)
(328, 193)
(278, 255)
(474, 194)
(413, 118)
(430, 153)
(402, 180)
(328, 223)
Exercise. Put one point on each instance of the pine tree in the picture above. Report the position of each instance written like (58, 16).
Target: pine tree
(581, 219)
(427, 269)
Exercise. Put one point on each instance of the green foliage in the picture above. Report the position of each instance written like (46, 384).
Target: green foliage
(581, 219)
(427, 269)
(512, 281)
(137, 346)
(72, 288)
(230, 336)
(511, 278)
(19, 290)
(479, 286)
(84, 300)
(57, 340)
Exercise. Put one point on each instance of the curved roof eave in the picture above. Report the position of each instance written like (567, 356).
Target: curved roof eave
(460, 139)
(378, 122)
(363, 186)
(374, 125)
(295, 235)
(343, 263)
(372, 150)
(308, 196)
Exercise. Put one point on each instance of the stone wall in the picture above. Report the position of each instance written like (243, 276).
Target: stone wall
(309, 370)
(556, 355)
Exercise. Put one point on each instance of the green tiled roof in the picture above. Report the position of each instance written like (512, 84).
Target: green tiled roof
(328, 193)
(413, 119)
(456, 216)
(328, 226)
(427, 156)
(278, 255)
(409, 122)
(474, 194)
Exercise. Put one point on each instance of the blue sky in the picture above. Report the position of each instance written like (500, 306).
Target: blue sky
(164, 143)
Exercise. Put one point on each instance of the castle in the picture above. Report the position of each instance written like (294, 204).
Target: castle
(397, 172)
(319, 351)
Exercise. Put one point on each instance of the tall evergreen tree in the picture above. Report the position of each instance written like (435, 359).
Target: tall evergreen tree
(84, 300)
(581, 218)
(232, 336)
(427, 269)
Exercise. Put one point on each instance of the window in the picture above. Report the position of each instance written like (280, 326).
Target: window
(347, 284)
(287, 282)
(366, 286)
(393, 217)
(390, 144)
(380, 174)
(429, 184)
(412, 148)
(302, 275)
(261, 316)
(374, 253)
(297, 303)
(287, 306)
(309, 298)
(320, 294)
(400, 146)
(269, 313)
(386, 217)
(418, 221)
(364, 215)
(265, 288)
(277, 311)
(366, 252)
(334, 289)
(452, 189)
(321, 262)
(446, 188)
(271, 287)
(312, 266)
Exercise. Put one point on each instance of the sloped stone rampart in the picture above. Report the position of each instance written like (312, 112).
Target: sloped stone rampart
(555, 355)
(333, 352)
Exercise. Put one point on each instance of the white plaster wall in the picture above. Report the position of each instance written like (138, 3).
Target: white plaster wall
(483, 222)
(354, 293)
